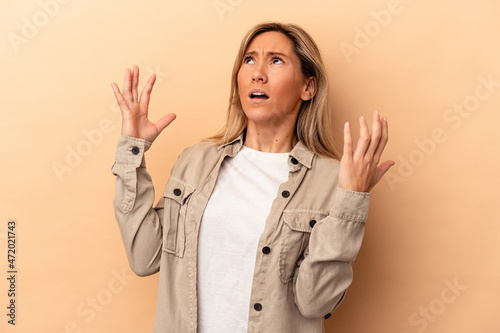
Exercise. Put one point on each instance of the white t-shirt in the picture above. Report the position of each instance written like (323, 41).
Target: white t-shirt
(230, 229)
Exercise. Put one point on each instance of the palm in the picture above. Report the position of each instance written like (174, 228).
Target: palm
(359, 168)
(135, 122)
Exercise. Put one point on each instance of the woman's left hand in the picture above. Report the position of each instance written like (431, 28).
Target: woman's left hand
(359, 169)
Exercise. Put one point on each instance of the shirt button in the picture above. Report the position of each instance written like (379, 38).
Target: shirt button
(328, 315)
(177, 192)
(312, 223)
(257, 306)
(266, 250)
(135, 150)
(294, 160)
(285, 194)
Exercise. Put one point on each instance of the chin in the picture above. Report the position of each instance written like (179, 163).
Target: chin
(257, 116)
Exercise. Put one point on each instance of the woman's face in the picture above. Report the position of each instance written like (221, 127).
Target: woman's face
(271, 84)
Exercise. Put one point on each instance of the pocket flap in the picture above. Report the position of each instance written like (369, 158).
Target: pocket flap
(303, 220)
(178, 190)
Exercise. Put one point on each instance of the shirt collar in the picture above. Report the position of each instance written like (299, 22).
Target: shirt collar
(300, 152)
(233, 147)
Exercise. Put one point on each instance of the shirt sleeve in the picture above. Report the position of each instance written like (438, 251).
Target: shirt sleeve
(322, 278)
(140, 224)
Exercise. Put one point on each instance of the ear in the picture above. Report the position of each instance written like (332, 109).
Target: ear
(309, 89)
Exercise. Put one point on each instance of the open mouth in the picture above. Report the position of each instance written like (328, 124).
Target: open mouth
(258, 95)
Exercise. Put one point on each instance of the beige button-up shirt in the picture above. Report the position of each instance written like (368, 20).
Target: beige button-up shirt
(305, 254)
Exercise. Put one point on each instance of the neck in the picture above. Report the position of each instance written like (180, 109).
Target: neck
(270, 140)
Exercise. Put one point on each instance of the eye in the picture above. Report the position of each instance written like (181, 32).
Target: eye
(248, 60)
(277, 60)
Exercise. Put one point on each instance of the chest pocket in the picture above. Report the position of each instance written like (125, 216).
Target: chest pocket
(297, 229)
(177, 194)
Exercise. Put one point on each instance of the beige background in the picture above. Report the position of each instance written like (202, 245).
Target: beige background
(429, 261)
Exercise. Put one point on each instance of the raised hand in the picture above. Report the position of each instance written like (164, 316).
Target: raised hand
(359, 169)
(135, 122)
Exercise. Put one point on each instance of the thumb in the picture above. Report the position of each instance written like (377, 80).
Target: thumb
(383, 168)
(165, 121)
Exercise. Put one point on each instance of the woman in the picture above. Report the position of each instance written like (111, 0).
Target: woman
(258, 228)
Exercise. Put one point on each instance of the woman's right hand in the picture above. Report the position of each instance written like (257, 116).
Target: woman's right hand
(135, 122)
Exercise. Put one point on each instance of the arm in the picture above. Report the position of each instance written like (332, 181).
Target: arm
(140, 224)
(325, 273)
(326, 270)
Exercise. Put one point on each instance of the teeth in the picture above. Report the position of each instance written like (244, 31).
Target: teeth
(258, 94)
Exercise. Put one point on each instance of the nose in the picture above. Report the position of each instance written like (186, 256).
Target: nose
(259, 74)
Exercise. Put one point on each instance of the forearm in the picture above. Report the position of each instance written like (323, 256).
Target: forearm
(139, 222)
(326, 271)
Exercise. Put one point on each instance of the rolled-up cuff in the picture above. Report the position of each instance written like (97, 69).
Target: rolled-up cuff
(351, 205)
(131, 150)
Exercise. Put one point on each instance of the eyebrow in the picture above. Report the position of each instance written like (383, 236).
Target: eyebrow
(270, 53)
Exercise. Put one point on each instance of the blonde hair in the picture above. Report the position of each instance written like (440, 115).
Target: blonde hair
(313, 125)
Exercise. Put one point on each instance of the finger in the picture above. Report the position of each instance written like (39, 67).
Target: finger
(116, 91)
(135, 82)
(127, 84)
(364, 139)
(165, 121)
(383, 140)
(383, 168)
(375, 137)
(146, 92)
(347, 141)
(119, 98)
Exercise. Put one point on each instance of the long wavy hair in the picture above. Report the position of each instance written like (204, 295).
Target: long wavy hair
(314, 126)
